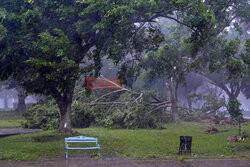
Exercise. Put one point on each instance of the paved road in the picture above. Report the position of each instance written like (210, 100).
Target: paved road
(17, 131)
(87, 162)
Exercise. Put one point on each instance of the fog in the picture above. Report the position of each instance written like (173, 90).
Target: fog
(9, 100)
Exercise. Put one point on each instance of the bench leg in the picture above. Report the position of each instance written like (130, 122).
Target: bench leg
(66, 154)
(180, 151)
(98, 150)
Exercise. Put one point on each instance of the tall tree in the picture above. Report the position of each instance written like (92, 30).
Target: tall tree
(171, 61)
(46, 45)
(229, 72)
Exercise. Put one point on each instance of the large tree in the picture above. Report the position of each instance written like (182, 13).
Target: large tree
(47, 45)
(226, 68)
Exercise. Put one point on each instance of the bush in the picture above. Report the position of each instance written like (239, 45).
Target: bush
(44, 115)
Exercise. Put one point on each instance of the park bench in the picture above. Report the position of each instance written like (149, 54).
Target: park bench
(81, 139)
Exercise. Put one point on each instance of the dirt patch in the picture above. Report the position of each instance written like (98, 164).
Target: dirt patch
(212, 130)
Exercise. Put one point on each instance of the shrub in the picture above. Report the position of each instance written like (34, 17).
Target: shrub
(44, 115)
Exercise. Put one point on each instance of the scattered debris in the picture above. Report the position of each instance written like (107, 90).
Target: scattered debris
(236, 139)
(246, 120)
(228, 121)
(211, 130)
(225, 122)
(211, 120)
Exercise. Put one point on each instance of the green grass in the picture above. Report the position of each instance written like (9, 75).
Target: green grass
(142, 143)
(10, 119)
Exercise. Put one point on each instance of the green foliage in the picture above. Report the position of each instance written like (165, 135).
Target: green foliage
(226, 66)
(82, 116)
(235, 68)
(234, 108)
(131, 115)
(46, 42)
(224, 55)
(246, 56)
(170, 60)
(131, 118)
(3, 32)
(44, 115)
(212, 105)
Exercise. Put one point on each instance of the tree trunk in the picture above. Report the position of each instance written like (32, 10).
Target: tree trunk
(190, 106)
(239, 120)
(21, 106)
(232, 96)
(6, 106)
(174, 100)
(65, 116)
(64, 103)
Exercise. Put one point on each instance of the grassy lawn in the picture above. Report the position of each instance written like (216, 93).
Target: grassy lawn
(10, 120)
(142, 143)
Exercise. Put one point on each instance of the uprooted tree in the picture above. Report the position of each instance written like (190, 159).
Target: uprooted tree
(47, 44)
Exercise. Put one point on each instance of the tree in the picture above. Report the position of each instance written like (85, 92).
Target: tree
(46, 47)
(229, 72)
(21, 93)
(171, 61)
(227, 69)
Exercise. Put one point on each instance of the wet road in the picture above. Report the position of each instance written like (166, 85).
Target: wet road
(17, 131)
(87, 162)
